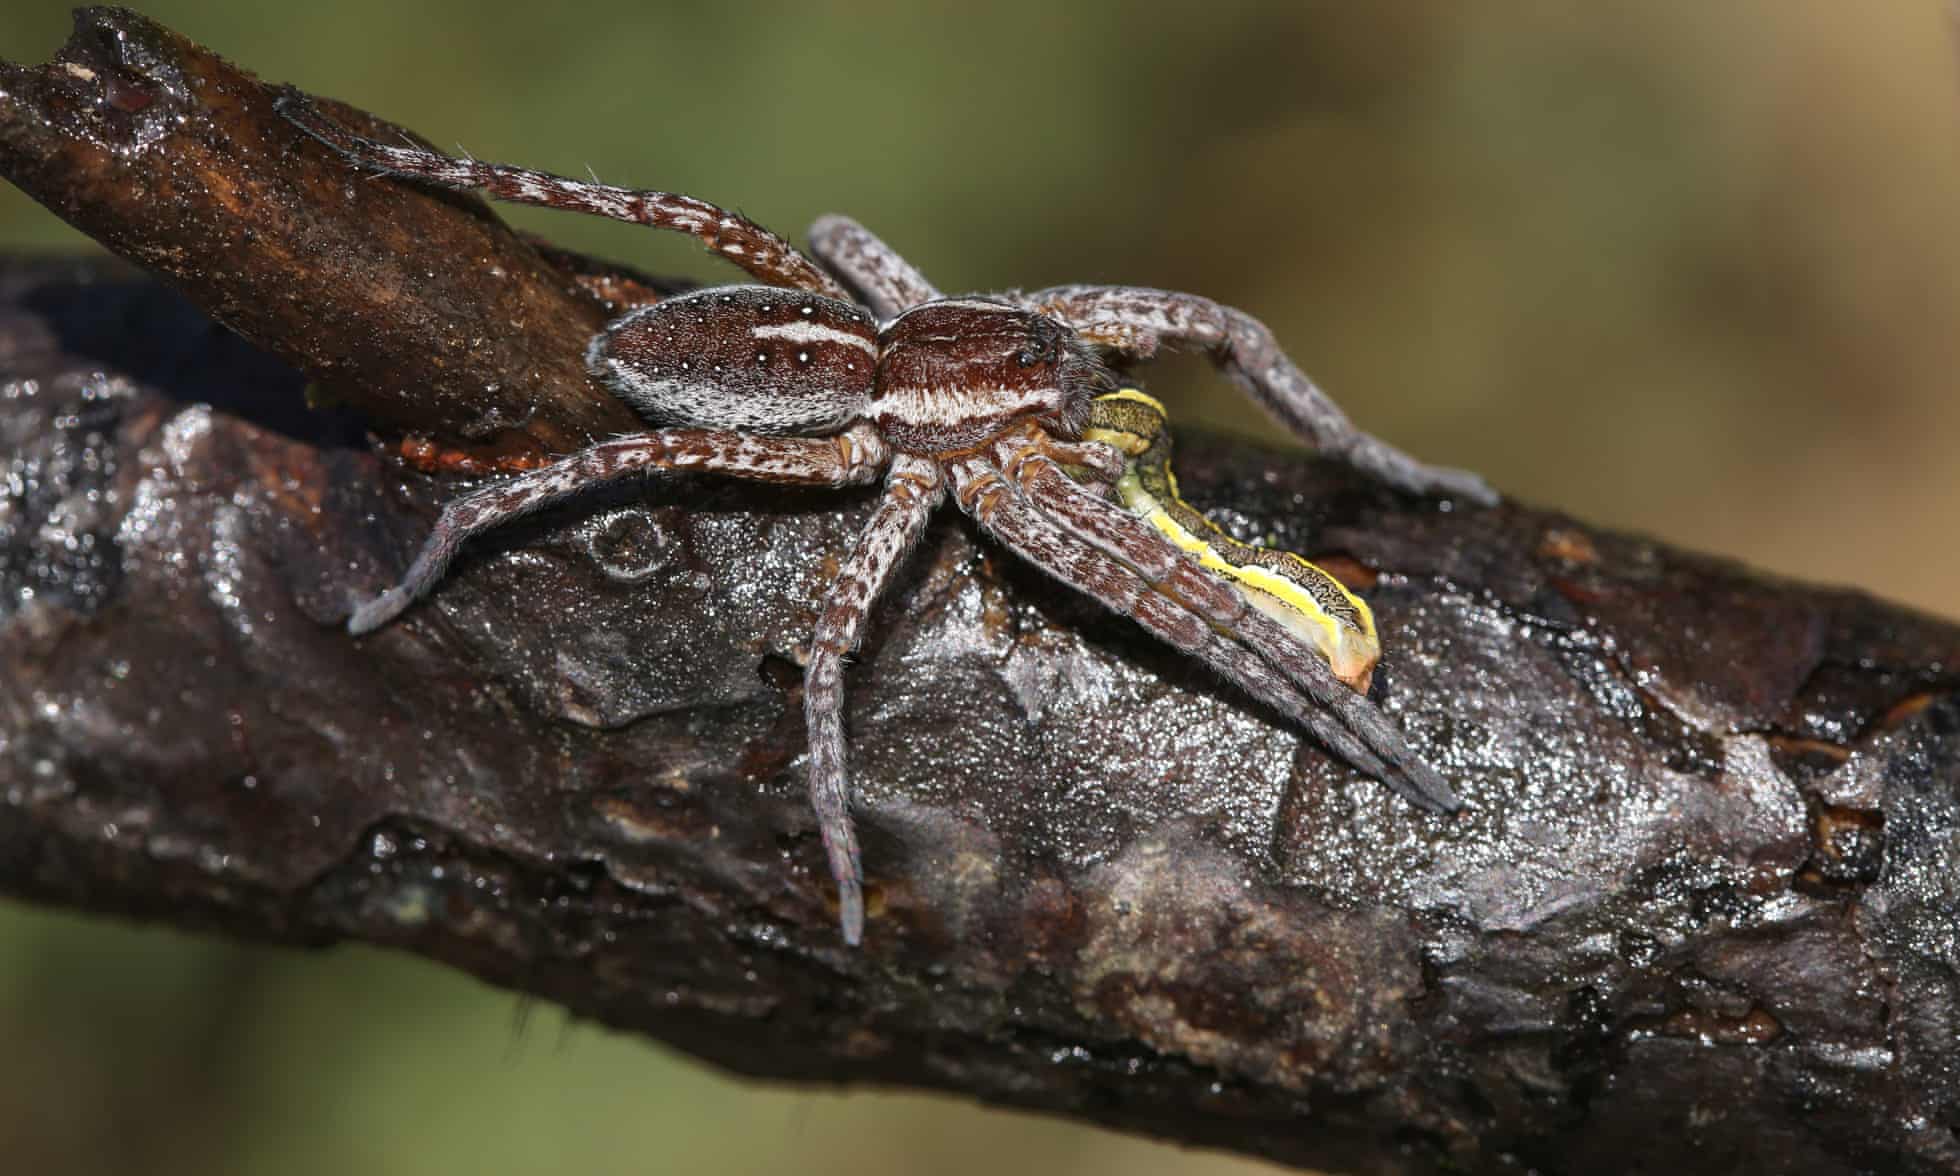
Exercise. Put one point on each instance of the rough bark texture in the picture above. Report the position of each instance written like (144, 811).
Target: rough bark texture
(1703, 909)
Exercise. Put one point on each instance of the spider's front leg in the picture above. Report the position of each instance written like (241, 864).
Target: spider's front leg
(772, 260)
(1005, 512)
(1312, 604)
(1134, 320)
(850, 458)
(1135, 545)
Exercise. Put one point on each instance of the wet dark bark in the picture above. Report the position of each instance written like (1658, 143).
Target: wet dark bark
(1703, 908)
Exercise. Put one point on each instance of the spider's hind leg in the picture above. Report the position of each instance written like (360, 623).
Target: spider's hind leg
(847, 459)
(772, 260)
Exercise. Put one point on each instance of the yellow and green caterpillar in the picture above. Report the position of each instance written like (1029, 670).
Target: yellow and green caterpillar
(1313, 605)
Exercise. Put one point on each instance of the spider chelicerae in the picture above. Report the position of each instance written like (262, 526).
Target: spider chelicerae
(986, 398)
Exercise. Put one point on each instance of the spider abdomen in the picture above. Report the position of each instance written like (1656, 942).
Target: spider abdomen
(760, 359)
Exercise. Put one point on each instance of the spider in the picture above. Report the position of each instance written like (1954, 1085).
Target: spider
(983, 399)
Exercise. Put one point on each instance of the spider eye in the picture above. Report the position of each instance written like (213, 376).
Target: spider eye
(1043, 343)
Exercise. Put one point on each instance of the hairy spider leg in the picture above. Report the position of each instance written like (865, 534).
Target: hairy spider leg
(913, 489)
(772, 260)
(1096, 464)
(1134, 320)
(1123, 537)
(985, 493)
(1091, 468)
(1312, 604)
(1118, 535)
(850, 458)
(886, 282)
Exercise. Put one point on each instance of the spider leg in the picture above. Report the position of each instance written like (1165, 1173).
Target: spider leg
(1101, 464)
(1135, 319)
(849, 458)
(912, 489)
(994, 502)
(768, 257)
(888, 283)
(1121, 536)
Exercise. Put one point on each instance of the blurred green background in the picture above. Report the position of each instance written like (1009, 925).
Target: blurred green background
(1686, 268)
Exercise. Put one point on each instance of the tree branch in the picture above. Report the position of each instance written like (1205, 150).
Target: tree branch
(1703, 905)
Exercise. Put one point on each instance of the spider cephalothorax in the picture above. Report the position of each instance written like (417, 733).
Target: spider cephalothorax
(985, 399)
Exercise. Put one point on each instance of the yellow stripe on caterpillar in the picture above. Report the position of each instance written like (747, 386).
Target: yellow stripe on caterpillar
(1119, 429)
(1137, 396)
(1309, 602)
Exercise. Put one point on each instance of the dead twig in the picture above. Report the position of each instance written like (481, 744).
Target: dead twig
(1704, 903)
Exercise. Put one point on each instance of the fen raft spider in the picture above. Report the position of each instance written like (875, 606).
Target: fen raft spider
(987, 398)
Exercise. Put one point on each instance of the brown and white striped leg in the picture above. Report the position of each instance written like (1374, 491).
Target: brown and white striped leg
(851, 458)
(772, 260)
(885, 281)
(1003, 511)
(912, 490)
(1122, 536)
(1101, 464)
(1135, 319)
